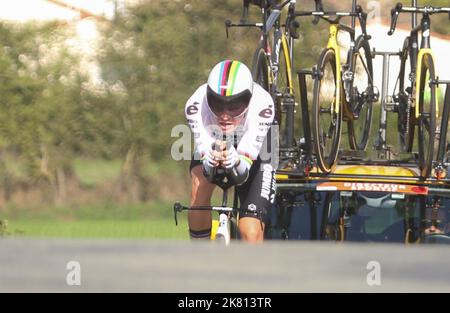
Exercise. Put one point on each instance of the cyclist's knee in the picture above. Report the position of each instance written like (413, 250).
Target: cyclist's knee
(252, 235)
(251, 230)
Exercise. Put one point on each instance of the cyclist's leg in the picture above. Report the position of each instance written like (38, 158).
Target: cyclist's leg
(201, 192)
(257, 195)
(251, 230)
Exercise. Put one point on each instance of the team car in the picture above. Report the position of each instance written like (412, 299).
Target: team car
(384, 202)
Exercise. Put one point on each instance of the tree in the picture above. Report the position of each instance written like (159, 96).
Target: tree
(39, 112)
(153, 58)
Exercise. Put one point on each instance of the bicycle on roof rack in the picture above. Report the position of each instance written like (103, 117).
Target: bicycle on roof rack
(357, 90)
(342, 92)
(416, 96)
(272, 64)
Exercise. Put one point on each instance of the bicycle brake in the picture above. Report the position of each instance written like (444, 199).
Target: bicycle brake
(177, 207)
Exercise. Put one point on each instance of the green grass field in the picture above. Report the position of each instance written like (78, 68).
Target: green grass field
(151, 220)
(129, 229)
(102, 218)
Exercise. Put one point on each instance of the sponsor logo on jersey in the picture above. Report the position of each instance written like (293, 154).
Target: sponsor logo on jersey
(267, 181)
(191, 110)
(266, 113)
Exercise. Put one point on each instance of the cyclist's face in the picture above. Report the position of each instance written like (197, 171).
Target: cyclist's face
(436, 223)
(227, 123)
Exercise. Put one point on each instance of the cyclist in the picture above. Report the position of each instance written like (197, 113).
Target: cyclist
(438, 222)
(230, 117)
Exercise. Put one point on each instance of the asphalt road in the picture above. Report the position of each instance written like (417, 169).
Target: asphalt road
(30, 265)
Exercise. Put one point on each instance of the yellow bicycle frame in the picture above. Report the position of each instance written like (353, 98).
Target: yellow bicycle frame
(285, 48)
(285, 51)
(423, 52)
(333, 44)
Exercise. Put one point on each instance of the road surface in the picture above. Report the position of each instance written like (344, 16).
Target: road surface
(38, 265)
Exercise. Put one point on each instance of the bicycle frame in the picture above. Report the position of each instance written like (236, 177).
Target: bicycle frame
(333, 44)
(224, 217)
(271, 20)
(277, 41)
(225, 212)
(416, 55)
(280, 37)
(334, 28)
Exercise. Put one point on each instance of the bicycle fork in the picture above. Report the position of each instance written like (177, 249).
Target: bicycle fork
(223, 232)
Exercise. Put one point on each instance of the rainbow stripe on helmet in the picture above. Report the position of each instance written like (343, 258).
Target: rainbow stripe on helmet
(227, 80)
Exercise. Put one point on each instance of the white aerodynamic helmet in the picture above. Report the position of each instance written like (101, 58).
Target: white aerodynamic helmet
(230, 88)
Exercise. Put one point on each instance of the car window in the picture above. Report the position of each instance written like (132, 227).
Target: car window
(364, 216)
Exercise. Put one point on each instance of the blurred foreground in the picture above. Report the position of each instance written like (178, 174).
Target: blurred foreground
(146, 266)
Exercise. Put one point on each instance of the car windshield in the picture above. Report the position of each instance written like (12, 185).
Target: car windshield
(366, 216)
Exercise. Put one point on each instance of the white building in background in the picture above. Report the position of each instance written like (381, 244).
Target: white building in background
(46, 10)
(382, 42)
(82, 15)
(378, 29)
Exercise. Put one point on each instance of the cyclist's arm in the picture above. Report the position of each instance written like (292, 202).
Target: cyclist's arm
(193, 111)
(260, 118)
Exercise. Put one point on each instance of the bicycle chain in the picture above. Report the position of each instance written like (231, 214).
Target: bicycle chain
(411, 98)
(408, 115)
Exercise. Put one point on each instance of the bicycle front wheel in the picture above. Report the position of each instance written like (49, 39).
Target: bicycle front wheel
(361, 95)
(282, 89)
(427, 115)
(261, 69)
(283, 75)
(326, 122)
(261, 73)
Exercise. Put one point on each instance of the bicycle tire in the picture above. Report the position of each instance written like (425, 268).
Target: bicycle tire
(261, 73)
(326, 160)
(282, 76)
(427, 116)
(406, 114)
(359, 127)
(261, 68)
(282, 87)
(444, 127)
